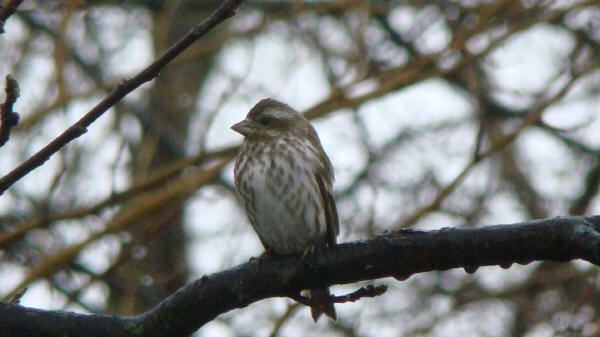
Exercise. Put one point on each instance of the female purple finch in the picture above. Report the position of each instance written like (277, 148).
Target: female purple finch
(285, 179)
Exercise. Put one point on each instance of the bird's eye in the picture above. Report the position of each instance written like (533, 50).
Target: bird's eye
(265, 120)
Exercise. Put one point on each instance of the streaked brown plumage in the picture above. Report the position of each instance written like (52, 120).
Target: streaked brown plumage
(285, 180)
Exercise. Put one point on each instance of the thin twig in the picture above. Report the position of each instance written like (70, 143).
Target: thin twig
(154, 181)
(50, 264)
(289, 313)
(226, 10)
(368, 291)
(532, 119)
(16, 298)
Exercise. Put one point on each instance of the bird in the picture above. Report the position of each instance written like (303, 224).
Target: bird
(285, 179)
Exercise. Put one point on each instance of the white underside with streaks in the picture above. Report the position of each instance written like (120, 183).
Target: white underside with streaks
(289, 216)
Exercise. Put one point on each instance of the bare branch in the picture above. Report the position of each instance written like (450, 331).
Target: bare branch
(8, 118)
(368, 291)
(226, 10)
(154, 181)
(17, 296)
(7, 10)
(398, 254)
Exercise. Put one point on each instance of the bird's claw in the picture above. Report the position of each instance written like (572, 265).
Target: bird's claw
(308, 251)
(262, 257)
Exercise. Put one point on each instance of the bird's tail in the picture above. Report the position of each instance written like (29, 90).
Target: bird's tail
(323, 304)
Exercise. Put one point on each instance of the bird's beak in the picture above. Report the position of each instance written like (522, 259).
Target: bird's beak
(244, 127)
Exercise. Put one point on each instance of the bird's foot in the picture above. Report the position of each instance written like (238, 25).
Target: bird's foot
(309, 250)
(264, 256)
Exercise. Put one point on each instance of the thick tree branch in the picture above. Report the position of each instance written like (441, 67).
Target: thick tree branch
(226, 10)
(398, 254)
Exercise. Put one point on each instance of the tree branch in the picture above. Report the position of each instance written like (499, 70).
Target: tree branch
(7, 10)
(8, 118)
(368, 291)
(226, 10)
(398, 254)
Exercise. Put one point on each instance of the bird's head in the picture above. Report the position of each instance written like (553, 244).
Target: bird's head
(270, 118)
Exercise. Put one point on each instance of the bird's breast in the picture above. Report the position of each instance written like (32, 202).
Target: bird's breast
(284, 205)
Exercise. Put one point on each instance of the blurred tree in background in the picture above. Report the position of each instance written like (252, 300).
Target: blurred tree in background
(434, 113)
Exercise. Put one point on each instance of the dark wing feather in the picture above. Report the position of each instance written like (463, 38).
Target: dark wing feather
(331, 216)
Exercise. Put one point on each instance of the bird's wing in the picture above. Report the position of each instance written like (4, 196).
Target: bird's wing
(331, 216)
